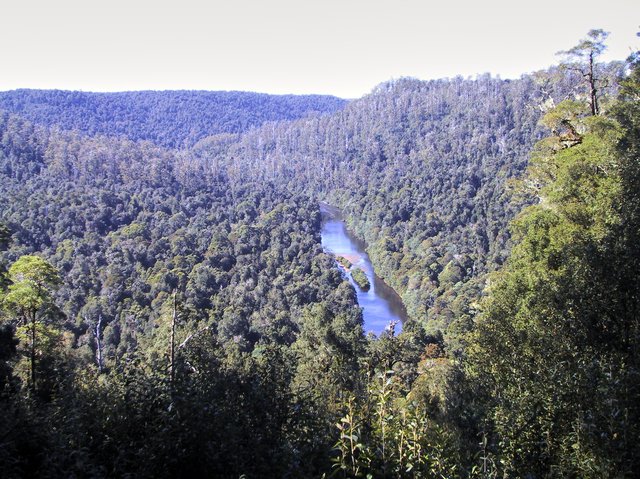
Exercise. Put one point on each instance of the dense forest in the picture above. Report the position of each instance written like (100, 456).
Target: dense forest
(173, 119)
(167, 309)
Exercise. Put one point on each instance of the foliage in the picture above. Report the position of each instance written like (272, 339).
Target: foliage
(422, 171)
(555, 348)
(182, 319)
(344, 262)
(390, 435)
(583, 59)
(174, 119)
(30, 302)
(361, 279)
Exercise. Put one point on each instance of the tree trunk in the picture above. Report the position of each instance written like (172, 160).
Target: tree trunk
(33, 351)
(592, 85)
(99, 343)
(173, 340)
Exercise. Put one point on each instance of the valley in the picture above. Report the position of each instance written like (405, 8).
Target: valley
(189, 279)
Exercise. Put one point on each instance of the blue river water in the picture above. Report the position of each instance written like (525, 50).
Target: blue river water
(381, 305)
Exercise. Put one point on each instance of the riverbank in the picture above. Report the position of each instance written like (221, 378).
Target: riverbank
(381, 304)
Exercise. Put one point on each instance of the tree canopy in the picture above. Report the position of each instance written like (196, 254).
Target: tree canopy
(168, 310)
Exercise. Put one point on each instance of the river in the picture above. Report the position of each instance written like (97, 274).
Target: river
(380, 304)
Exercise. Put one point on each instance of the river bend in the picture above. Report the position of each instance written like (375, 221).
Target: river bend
(380, 304)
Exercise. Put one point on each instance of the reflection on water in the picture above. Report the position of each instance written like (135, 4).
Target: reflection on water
(380, 304)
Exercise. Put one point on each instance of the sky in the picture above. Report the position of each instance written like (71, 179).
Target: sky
(338, 47)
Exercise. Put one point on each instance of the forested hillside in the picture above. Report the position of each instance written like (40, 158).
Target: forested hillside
(422, 171)
(159, 261)
(174, 119)
(167, 309)
(555, 351)
(128, 224)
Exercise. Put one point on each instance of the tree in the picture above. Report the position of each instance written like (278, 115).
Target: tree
(5, 236)
(555, 349)
(582, 59)
(29, 297)
(5, 239)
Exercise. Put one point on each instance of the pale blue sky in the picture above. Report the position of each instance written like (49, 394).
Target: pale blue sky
(339, 47)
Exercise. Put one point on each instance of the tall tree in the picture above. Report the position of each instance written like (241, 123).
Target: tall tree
(7, 340)
(582, 58)
(30, 298)
(5, 239)
(555, 348)
(4, 236)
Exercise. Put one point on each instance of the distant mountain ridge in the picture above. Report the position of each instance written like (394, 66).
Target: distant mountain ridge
(173, 119)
